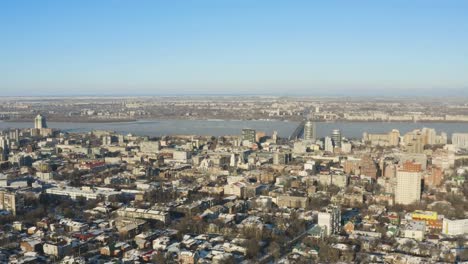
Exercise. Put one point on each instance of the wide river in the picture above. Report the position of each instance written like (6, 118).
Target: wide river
(234, 127)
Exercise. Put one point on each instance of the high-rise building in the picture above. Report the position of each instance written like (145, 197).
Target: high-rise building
(434, 177)
(429, 136)
(391, 138)
(414, 141)
(460, 140)
(274, 137)
(107, 140)
(14, 135)
(408, 183)
(336, 138)
(309, 130)
(248, 135)
(4, 143)
(330, 220)
(281, 158)
(442, 138)
(40, 122)
(328, 144)
(394, 137)
(121, 140)
(9, 202)
(368, 167)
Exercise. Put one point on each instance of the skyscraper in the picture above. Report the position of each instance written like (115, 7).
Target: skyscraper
(40, 122)
(309, 130)
(336, 138)
(408, 185)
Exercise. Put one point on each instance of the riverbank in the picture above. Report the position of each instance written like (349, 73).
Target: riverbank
(234, 127)
(125, 120)
(97, 121)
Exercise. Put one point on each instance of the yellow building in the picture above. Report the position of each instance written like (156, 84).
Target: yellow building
(424, 215)
(429, 217)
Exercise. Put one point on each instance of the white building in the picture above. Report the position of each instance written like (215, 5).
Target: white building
(180, 155)
(107, 140)
(330, 220)
(328, 144)
(414, 230)
(300, 147)
(346, 147)
(40, 122)
(455, 227)
(408, 187)
(309, 165)
(150, 146)
(236, 189)
(460, 140)
(85, 192)
(144, 214)
(309, 130)
(58, 249)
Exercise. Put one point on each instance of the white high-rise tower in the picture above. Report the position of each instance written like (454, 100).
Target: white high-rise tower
(309, 130)
(40, 122)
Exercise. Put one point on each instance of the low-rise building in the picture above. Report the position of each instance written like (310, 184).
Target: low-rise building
(455, 227)
(144, 214)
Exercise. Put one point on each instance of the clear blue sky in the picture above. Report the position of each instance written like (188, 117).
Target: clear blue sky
(233, 46)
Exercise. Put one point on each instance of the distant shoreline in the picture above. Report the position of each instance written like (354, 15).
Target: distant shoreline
(73, 121)
(229, 120)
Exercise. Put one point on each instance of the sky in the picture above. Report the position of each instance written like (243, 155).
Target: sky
(175, 47)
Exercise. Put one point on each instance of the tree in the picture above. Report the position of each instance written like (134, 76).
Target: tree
(333, 189)
(317, 203)
(327, 253)
(464, 255)
(275, 250)
(253, 248)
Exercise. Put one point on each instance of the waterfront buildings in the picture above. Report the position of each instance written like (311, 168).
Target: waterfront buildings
(309, 130)
(40, 122)
(336, 138)
(248, 135)
(460, 140)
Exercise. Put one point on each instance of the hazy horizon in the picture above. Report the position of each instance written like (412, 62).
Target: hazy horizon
(355, 93)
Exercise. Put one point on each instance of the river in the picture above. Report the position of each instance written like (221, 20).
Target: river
(234, 127)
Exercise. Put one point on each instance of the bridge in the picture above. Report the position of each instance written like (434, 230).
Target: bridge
(298, 132)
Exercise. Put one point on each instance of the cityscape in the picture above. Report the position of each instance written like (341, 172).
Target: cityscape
(253, 197)
(234, 132)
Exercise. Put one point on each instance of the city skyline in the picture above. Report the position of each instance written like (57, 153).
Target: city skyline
(155, 48)
(232, 132)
